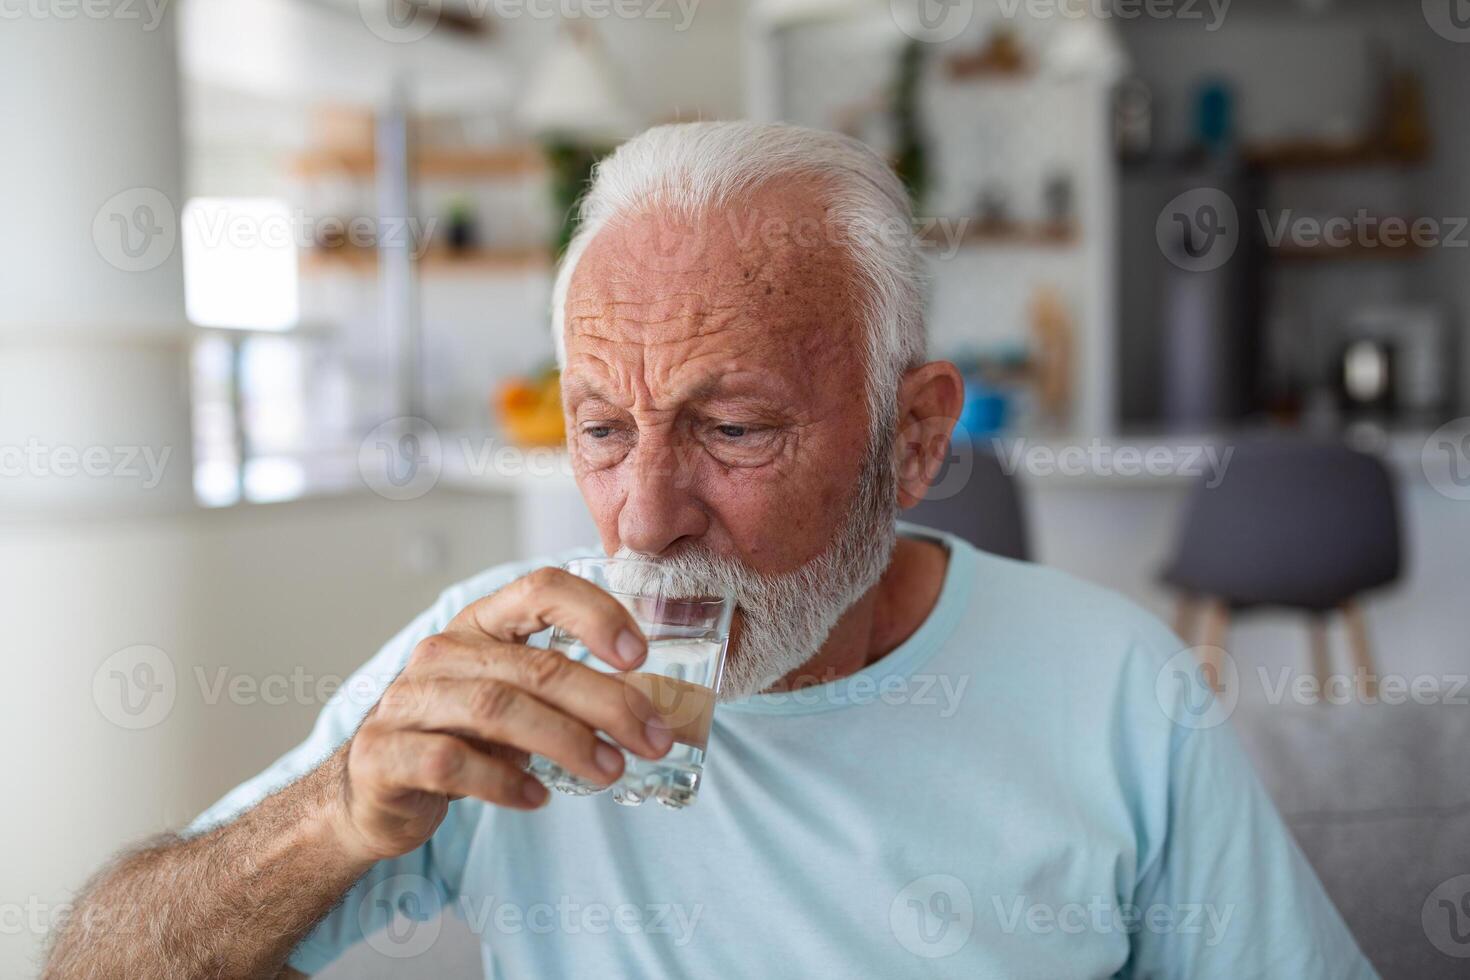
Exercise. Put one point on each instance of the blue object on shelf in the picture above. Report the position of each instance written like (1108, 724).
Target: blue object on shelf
(984, 411)
(1214, 123)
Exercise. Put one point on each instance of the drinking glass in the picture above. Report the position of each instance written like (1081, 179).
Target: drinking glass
(687, 639)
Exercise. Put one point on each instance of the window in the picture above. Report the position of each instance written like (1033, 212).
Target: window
(240, 263)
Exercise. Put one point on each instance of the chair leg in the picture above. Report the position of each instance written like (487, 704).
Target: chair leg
(1321, 654)
(1186, 617)
(1357, 632)
(1217, 624)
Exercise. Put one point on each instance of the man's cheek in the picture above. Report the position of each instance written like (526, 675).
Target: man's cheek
(772, 525)
(602, 494)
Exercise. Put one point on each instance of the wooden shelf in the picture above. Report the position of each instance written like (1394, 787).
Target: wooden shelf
(1355, 251)
(435, 262)
(1039, 234)
(1000, 57)
(959, 70)
(1329, 155)
(429, 162)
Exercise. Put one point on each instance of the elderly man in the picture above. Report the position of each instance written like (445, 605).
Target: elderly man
(928, 760)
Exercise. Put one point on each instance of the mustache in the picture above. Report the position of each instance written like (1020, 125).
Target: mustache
(697, 570)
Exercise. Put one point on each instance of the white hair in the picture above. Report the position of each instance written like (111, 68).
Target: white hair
(695, 168)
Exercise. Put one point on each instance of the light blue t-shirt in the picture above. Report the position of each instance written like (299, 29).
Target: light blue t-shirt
(1028, 787)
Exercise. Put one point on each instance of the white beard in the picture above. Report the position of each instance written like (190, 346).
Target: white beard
(787, 617)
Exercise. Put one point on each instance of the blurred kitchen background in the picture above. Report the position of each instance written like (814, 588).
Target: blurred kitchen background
(305, 248)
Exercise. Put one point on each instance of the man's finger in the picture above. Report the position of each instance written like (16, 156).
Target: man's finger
(601, 701)
(503, 713)
(433, 762)
(556, 597)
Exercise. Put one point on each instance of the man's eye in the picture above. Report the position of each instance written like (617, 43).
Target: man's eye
(598, 431)
(731, 431)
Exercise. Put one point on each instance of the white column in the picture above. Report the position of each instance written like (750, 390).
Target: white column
(98, 539)
(92, 335)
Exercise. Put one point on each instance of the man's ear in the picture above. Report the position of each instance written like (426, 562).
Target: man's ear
(929, 401)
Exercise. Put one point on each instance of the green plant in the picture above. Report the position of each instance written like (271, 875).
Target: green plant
(571, 170)
(910, 157)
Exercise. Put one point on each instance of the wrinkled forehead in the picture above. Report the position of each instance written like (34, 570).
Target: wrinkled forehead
(770, 265)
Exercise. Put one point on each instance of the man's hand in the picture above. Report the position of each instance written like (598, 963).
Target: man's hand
(458, 721)
(474, 700)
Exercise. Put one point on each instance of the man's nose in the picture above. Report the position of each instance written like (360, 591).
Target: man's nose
(660, 508)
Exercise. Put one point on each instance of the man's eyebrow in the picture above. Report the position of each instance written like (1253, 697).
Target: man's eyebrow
(718, 386)
(578, 388)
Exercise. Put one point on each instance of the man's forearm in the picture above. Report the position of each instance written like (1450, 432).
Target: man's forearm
(231, 903)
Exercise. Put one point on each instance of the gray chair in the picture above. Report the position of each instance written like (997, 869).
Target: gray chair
(1295, 523)
(974, 498)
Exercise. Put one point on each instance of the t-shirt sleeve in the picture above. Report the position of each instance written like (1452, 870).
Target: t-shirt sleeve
(389, 904)
(1227, 893)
